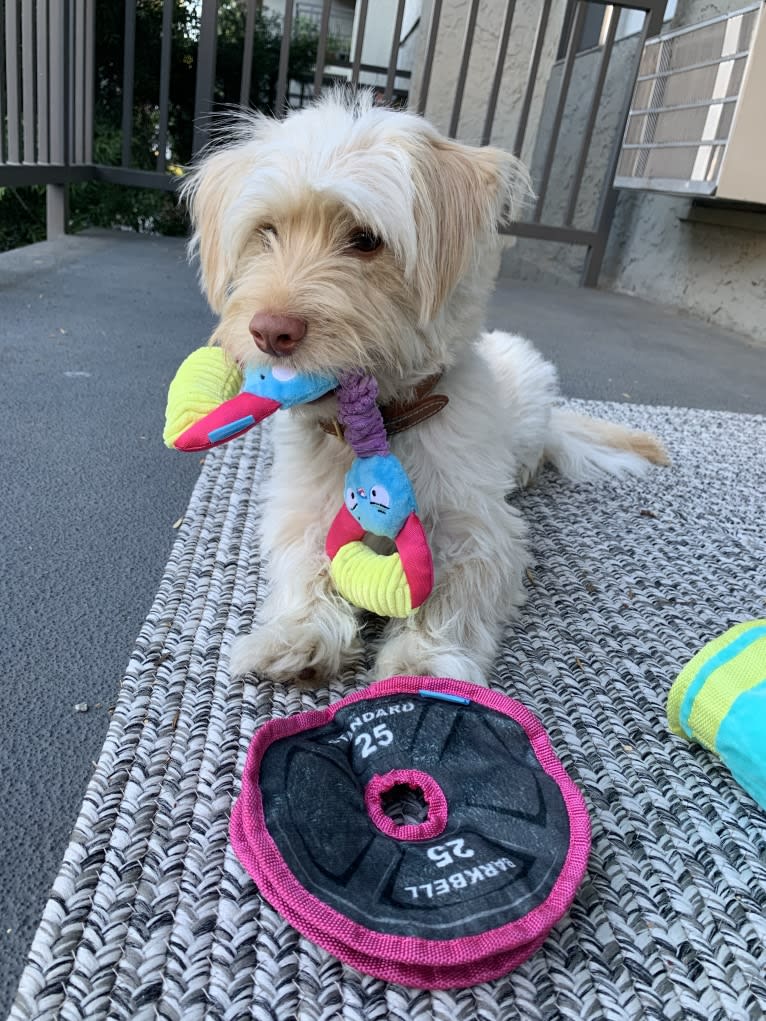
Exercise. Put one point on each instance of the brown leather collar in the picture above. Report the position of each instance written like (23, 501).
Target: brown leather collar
(401, 415)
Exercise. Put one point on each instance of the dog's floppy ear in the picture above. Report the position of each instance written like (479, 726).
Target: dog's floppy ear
(462, 192)
(209, 191)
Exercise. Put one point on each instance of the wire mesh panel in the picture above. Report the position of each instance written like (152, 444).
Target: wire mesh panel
(688, 87)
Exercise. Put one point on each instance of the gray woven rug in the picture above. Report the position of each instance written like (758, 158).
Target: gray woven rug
(152, 915)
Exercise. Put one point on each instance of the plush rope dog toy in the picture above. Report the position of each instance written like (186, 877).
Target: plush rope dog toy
(378, 499)
(205, 409)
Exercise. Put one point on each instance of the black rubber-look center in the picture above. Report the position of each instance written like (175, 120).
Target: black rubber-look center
(507, 831)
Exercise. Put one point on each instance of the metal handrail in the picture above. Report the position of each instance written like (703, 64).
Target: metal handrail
(714, 62)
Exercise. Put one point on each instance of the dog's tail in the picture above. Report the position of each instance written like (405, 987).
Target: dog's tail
(584, 448)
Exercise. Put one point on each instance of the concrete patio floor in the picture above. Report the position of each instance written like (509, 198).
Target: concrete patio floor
(93, 328)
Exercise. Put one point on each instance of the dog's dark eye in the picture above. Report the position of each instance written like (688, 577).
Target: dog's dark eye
(364, 242)
(268, 230)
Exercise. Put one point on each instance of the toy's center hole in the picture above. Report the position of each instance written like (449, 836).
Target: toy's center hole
(404, 804)
(380, 544)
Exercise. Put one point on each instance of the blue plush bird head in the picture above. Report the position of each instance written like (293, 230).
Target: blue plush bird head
(379, 494)
(286, 386)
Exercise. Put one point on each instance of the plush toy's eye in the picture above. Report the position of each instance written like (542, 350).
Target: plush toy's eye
(379, 497)
(364, 242)
(351, 500)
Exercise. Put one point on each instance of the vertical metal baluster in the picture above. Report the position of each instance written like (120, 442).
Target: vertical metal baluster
(566, 76)
(42, 81)
(2, 88)
(205, 85)
(71, 57)
(284, 58)
(394, 59)
(428, 60)
(502, 49)
(128, 70)
(582, 157)
(57, 37)
(470, 26)
(90, 76)
(247, 55)
(56, 194)
(608, 199)
(360, 25)
(324, 29)
(79, 83)
(167, 38)
(12, 80)
(28, 79)
(534, 64)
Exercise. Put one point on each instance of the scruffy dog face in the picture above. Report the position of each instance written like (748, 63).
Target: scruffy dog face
(361, 228)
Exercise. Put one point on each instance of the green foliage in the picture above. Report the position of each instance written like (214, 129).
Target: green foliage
(100, 204)
(22, 217)
(96, 203)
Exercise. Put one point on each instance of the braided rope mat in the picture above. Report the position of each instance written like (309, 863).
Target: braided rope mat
(151, 914)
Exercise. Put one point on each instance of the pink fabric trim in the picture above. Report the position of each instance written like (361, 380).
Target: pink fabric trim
(412, 546)
(434, 823)
(424, 963)
(196, 436)
(344, 529)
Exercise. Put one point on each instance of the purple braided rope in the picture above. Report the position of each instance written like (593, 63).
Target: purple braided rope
(360, 415)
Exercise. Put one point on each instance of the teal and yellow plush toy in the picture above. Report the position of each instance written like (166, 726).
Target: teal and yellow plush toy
(210, 402)
(719, 700)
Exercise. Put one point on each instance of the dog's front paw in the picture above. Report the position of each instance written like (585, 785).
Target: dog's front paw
(298, 649)
(412, 654)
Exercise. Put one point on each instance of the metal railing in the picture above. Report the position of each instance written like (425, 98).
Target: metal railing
(47, 70)
(48, 103)
(47, 80)
(594, 238)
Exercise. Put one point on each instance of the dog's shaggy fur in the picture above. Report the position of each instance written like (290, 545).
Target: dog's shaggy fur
(278, 213)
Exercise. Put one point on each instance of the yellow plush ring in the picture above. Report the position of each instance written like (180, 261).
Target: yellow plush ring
(204, 380)
(369, 579)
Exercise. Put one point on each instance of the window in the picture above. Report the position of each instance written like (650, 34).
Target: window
(596, 24)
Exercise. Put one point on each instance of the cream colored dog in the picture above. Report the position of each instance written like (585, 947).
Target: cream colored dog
(349, 236)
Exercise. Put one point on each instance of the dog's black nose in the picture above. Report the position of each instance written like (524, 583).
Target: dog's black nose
(277, 335)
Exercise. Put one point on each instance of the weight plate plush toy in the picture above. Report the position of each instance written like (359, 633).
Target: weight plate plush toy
(210, 402)
(421, 830)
